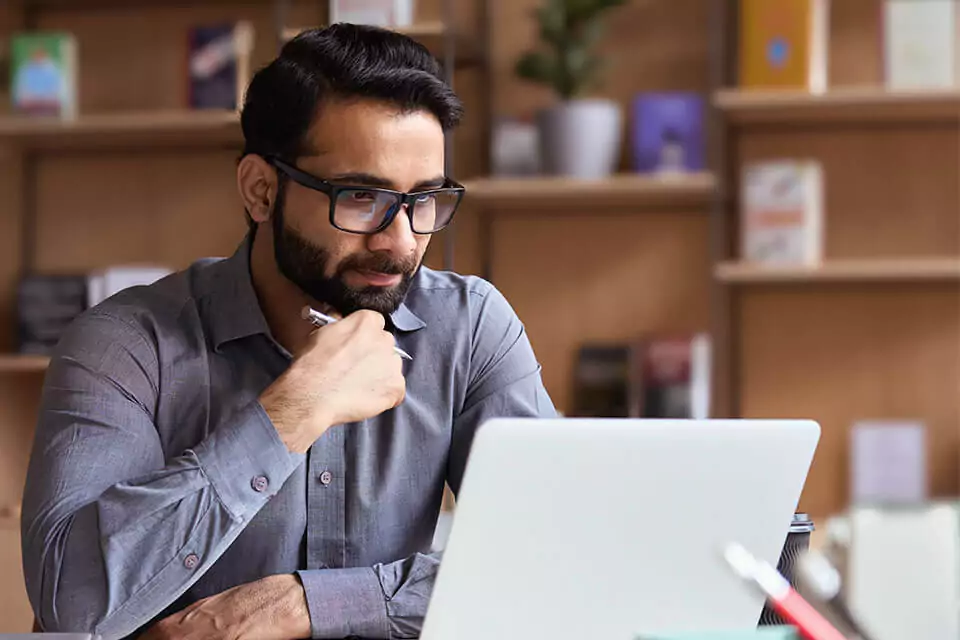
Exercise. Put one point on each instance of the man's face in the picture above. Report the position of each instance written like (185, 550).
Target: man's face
(367, 144)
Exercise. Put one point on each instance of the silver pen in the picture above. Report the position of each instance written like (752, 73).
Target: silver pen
(321, 319)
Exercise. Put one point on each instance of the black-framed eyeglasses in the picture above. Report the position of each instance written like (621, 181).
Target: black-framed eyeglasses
(369, 210)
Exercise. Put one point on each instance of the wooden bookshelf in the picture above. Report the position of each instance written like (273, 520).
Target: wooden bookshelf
(631, 190)
(851, 105)
(14, 363)
(846, 271)
(121, 129)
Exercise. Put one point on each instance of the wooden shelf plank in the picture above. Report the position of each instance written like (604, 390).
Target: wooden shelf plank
(695, 190)
(147, 128)
(15, 363)
(866, 104)
(86, 5)
(882, 270)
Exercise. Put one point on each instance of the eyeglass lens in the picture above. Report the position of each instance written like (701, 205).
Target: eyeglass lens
(363, 211)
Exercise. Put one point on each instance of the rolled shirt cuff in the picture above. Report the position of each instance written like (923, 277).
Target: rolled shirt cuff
(345, 603)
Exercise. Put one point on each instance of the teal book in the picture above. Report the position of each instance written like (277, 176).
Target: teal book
(761, 633)
(44, 74)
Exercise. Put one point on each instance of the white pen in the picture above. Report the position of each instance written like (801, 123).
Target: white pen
(322, 319)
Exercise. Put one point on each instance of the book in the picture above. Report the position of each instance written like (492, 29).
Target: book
(378, 13)
(888, 462)
(103, 283)
(649, 376)
(921, 44)
(784, 44)
(219, 65)
(781, 215)
(671, 377)
(668, 133)
(46, 305)
(44, 74)
(602, 384)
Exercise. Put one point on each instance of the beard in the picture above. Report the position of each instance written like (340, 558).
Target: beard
(305, 265)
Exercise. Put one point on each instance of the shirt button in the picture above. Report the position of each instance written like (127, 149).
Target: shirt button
(191, 561)
(326, 477)
(260, 484)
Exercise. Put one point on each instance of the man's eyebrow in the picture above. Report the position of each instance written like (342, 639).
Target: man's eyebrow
(370, 180)
(364, 179)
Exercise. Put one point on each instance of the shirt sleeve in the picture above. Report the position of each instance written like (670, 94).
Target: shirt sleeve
(505, 379)
(385, 601)
(112, 532)
(390, 600)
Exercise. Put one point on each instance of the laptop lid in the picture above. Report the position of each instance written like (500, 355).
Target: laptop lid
(610, 528)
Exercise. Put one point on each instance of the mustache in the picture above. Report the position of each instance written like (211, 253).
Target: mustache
(379, 263)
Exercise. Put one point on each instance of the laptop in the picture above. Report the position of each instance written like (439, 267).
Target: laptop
(613, 529)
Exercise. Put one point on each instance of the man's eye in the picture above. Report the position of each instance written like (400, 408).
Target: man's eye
(427, 197)
(363, 196)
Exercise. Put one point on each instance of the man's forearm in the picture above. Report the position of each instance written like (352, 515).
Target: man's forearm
(178, 520)
(384, 601)
(272, 608)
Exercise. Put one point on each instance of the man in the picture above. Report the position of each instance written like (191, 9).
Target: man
(208, 464)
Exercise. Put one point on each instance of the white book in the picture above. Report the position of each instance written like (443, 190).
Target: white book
(781, 214)
(379, 13)
(106, 282)
(888, 462)
(921, 44)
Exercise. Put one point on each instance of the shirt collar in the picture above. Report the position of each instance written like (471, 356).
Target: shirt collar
(403, 319)
(234, 311)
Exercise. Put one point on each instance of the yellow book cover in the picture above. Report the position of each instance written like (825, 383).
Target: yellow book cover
(783, 44)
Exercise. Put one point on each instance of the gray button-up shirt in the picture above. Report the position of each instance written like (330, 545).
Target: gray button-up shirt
(157, 479)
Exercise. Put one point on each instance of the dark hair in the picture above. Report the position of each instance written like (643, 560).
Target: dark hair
(342, 61)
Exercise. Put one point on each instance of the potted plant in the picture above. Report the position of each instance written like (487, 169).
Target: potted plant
(579, 136)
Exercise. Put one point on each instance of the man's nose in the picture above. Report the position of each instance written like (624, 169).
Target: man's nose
(398, 238)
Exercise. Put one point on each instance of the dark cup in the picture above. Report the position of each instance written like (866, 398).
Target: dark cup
(798, 541)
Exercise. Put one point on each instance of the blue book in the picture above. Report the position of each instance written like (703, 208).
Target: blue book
(667, 135)
(219, 65)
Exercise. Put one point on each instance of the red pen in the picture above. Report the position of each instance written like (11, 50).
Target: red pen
(784, 598)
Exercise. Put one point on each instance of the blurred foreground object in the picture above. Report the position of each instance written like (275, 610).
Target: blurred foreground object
(900, 568)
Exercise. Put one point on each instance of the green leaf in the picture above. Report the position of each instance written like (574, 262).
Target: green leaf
(572, 29)
(537, 67)
(552, 28)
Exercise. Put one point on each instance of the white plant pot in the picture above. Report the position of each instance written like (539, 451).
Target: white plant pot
(580, 138)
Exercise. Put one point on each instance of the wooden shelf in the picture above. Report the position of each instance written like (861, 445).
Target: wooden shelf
(882, 270)
(199, 127)
(14, 363)
(865, 105)
(637, 190)
(85, 5)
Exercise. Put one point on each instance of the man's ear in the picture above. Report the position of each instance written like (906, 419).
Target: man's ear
(257, 184)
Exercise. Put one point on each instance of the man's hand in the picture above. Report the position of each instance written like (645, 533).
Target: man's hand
(274, 608)
(347, 372)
